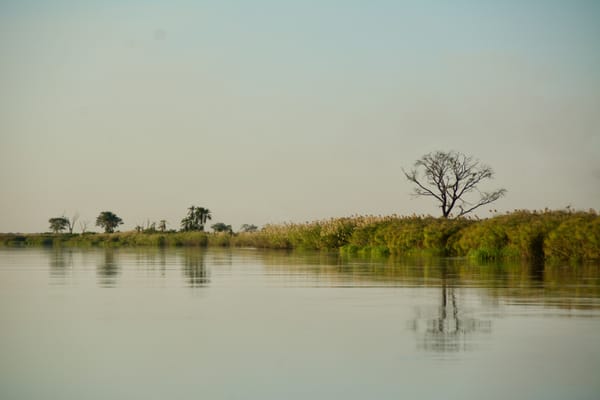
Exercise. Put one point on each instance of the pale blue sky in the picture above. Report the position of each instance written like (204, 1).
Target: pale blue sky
(273, 111)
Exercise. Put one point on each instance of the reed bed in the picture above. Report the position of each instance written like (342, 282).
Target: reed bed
(546, 235)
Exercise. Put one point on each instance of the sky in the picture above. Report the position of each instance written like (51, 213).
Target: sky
(276, 111)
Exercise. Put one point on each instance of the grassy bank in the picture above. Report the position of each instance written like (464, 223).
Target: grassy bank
(106, 239)
(561, 236)
(555, 236)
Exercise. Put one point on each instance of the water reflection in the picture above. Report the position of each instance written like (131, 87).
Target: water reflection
(221, 257)
(151, 258)
(448, 329)
(326, 321)
(60, 261)
(566, 287)
(536, 271)
(449, 326)
(569, 289)
(194, 268)
(108, 269)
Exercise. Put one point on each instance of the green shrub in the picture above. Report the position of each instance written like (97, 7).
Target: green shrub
(576, 239)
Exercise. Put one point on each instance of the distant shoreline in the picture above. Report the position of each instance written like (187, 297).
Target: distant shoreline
(537, 236)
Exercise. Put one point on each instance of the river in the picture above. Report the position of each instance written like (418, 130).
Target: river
(184, 323)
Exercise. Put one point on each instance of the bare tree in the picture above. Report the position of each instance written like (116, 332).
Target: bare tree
(449, 177)
(71, 222)
(83, 225)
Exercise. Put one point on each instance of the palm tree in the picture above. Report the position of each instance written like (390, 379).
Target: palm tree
(162, 225)
(195, 219)
(202, 215)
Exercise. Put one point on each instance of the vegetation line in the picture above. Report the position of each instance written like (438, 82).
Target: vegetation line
(561, 236)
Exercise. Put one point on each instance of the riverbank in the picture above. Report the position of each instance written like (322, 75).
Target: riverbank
(561, 236)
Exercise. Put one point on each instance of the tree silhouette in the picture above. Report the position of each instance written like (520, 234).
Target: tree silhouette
(449, 177)
(162, 225)
(109, 221)
(71, 222)
(83, 225)
(222, 227)
(248, 228)
(195, 219)
(58, 224)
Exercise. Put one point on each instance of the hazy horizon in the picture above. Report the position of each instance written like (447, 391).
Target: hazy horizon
(269, 111)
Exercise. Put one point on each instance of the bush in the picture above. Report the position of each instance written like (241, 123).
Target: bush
(576, 239)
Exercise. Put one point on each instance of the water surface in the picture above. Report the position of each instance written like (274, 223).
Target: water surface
(249, 324)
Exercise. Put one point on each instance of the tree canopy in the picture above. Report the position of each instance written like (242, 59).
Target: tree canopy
(108, 221)
(58, 224)
(222, 227)
(162, 225)
(449, 177)
(195, 219)
(248, 228)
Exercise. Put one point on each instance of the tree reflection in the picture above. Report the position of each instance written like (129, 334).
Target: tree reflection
(108, 270)
(194, 268)
(60, 261)
(447, 329)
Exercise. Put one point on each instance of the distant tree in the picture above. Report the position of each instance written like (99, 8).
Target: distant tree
(71, 222)
(162, 225)
(108, 221)
(248, 228)
(221, 227)
(150, 227)
(83, 225)
(195, 219)
(449, 177)
(58, 224)
(203, 215)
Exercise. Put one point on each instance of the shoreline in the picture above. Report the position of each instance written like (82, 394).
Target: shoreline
(536, 236)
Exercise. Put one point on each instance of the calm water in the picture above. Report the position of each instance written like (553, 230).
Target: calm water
(246, 324)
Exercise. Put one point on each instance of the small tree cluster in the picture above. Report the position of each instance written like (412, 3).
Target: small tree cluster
(195, 219)
(152, 227)
(59, 224)
(248, 228)
(222, 227)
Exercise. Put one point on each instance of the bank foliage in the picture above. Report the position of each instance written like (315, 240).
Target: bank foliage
(551, 236)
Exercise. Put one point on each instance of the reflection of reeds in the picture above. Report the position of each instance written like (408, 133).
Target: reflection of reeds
(561, 236)
(509, 282)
